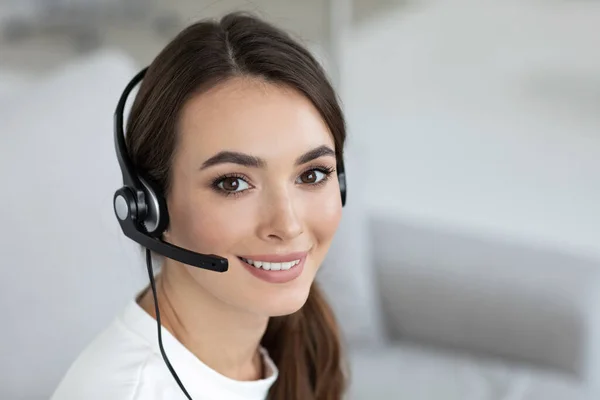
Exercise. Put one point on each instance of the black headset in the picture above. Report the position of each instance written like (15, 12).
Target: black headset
(142, 210)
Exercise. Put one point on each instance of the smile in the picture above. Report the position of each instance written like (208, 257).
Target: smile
(272, 266)
(275, 268)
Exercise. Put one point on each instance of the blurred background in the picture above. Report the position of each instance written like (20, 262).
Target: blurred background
(468, 262)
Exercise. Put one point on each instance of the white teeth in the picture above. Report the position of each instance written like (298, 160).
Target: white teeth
(287, 265)
(272, 266)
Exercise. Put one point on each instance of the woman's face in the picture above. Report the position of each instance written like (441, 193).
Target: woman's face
(253, 180)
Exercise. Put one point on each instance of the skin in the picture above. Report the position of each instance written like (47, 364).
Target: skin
(277, 209)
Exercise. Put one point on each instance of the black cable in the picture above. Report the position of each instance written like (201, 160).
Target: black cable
(160, 344)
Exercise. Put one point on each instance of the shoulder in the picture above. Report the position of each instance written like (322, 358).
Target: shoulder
(116, 365)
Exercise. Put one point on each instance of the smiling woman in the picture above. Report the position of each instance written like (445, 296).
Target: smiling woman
(239, 130)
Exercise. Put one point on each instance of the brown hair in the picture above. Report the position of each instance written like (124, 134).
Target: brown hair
(305, 345)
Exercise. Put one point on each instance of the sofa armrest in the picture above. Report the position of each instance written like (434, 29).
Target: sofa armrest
(491, 297)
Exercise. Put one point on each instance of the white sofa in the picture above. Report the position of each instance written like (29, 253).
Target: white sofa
(508, 321)
(66, 269)
(426, 315)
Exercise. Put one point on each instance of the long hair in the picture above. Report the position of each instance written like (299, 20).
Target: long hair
(305, 346)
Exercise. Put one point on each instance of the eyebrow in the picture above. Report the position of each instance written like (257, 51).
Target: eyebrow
(234, 157)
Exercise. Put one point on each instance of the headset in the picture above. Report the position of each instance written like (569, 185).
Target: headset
(141, 210)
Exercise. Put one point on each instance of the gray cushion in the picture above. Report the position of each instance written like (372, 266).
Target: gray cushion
(410, 372)
(523, 303)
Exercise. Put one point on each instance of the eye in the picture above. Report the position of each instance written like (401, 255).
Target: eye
(232, 184)
(314, 176)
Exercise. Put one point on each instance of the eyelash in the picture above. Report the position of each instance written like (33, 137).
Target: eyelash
(324, 169)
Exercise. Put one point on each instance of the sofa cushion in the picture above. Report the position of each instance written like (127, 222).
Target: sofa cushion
(408, 371)
(492, 296)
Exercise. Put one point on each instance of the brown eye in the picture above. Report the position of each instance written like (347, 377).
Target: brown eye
(232, 184)
(309, 177)
(312, 177)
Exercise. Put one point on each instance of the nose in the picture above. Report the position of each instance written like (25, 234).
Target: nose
(280, 221)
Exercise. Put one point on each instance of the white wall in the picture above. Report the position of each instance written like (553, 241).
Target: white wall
(483, 116)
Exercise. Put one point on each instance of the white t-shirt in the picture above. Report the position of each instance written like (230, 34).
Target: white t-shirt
(124, 363)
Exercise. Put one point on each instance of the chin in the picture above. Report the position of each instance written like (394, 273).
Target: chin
(285, 303)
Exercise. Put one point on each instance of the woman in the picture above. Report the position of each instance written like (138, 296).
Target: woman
(240, 130)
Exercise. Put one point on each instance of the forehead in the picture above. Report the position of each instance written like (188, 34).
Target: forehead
(253, 116)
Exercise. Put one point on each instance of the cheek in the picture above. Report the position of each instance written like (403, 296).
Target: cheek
(207, 227)
(326, 223)
(323, 217)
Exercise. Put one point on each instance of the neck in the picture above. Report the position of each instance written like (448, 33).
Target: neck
(222, 337)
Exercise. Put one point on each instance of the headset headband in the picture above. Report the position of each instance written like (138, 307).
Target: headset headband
(130, 178)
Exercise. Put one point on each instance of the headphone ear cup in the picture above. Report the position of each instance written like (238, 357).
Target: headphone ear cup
(157, 216)
(342, 181)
